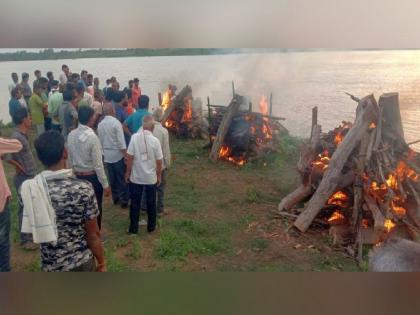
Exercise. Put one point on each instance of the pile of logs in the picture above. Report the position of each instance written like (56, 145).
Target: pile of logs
(184, 116)
(361, 179)
(238, 136)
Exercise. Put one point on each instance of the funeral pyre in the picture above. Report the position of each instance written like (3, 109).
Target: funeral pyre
(183, 115)
(238, 135)
(361, 179)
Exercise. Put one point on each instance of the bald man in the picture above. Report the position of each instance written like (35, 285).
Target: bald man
(111, 135)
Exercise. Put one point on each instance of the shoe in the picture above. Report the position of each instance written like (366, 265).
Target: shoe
(131, 233)
(142, 222)
(116, 201)
(151, 231)
(124, 205)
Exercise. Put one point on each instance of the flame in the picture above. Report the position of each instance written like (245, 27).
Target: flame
(372, 126)
(187, 111)
(338, 199)
(336, 217)
(166, 99)
(389, 225)
(322, 161)
(225, 153)
(263, 104)
(403, 172)
(169, 124)
(391, 181)
(398, 209)
(339, 136)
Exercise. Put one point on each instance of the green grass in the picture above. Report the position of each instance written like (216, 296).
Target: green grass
(259, 244)
(113, 263)
(135, 250)
(184, 237)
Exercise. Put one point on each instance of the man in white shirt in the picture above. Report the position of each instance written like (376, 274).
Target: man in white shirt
(162, 134)
(144, 171)
(112, 139)
(15, 79)
(64, 75)
(85, 155)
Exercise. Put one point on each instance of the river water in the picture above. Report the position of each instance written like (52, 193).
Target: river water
(298, 81)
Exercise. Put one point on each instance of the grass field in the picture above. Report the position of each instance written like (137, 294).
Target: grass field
(219, 219)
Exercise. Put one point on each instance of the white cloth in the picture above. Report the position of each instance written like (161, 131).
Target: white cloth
(11, 87)
(62, 78)
(38, 213)
(88, 98)
(111, 135)
(146, 150)
(85, 152)
(23, 102)
(162, 134)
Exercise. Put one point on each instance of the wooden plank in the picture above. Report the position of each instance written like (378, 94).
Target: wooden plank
(224, 126)
(178, 102)
(368, 110)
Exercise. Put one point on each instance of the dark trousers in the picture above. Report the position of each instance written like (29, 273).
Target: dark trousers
(135, 195)
(99, 191)
(5, 239)
(119, 188)
(160, 194)
(47, 123)
(18, 180)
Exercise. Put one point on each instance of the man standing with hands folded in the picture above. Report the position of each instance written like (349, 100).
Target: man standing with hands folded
(144, 171)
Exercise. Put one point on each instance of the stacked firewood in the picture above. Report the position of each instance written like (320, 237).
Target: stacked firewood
(361, 179)
(238, 135)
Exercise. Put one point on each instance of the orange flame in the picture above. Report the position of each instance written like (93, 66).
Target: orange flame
(365, 223)
(391, 181)
(336, 218)
(322, 161)
(340, 132)
(188, 111)
(389, 225)
(372, 126)
(224, 154)
(338, 199)
(263, 104)
(169, 124)
(166, 99)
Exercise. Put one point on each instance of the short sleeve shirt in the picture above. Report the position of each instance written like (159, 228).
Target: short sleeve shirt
(144, 145)
(74, 203)
(24, 157)
(135, 120)
(36, 106)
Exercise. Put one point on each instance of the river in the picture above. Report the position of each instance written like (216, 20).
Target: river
(297, 80)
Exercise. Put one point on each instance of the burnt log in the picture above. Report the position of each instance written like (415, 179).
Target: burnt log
(224, 126)
(177, 102)
(367, 113)
(390, 106)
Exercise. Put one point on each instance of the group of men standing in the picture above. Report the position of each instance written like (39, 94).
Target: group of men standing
(91, 129)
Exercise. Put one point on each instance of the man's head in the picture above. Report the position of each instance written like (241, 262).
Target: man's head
(50, 76)
(21, 118)
(16, 93)
(148, 122)
(25, 77)
(80, 89)
(15, 77)
(97, 95)
(158, 114)
(115, 86)
(85, 114)
(83, 75)
(37, 74)
(130, 84)
(43, 83)
(143, 102)
(128, 94)
(96, 81)
(136, 82)
(37, 88)
(108, 82)
(109, 109)
(68, 95)
(89, 79)
(54, 85)
(65, 69)
(75, 77)
(50, 149)
(113, 79)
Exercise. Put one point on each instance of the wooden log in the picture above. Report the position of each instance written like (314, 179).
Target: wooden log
(300, 193)
(391, 114)
(378, 138)
(160, 98)
(314, 119)
(178, 102)
(368, 112)
(224, 126)
(378, 217)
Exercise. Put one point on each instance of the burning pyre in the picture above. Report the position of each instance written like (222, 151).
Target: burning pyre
(378, 185)
(250, 135)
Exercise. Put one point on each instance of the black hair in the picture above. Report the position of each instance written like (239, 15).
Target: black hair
(108, 81)
(42, 80)
(14, 73)
(90, 75)
(14, 92)
(54, 82)
(84, 114)
(74, 76)
(136, 80)
(80, 87)
(143, 102)
(68, 95)
(69, 86)
(109, 95)
(49, 74)
(19, 115)
(49, 147)
(25, 75)
(37, 71)
(64, 66)
(82, 72)
(127, 92)
(118, 96)
(130, 81)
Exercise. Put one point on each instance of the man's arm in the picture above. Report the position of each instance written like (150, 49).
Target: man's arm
(9, 146)
(94, 243)
(166, 149)
(126, 130)
(129, 163)
(18, 167)
(99, 166)
(119, 133)
(159, 172)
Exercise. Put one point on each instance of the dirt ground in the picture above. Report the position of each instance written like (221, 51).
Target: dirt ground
(219, 218)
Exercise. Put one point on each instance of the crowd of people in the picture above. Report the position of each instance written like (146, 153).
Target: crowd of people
(93, 142)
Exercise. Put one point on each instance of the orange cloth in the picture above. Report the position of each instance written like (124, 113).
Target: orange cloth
(129, 109)
(135, 94)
